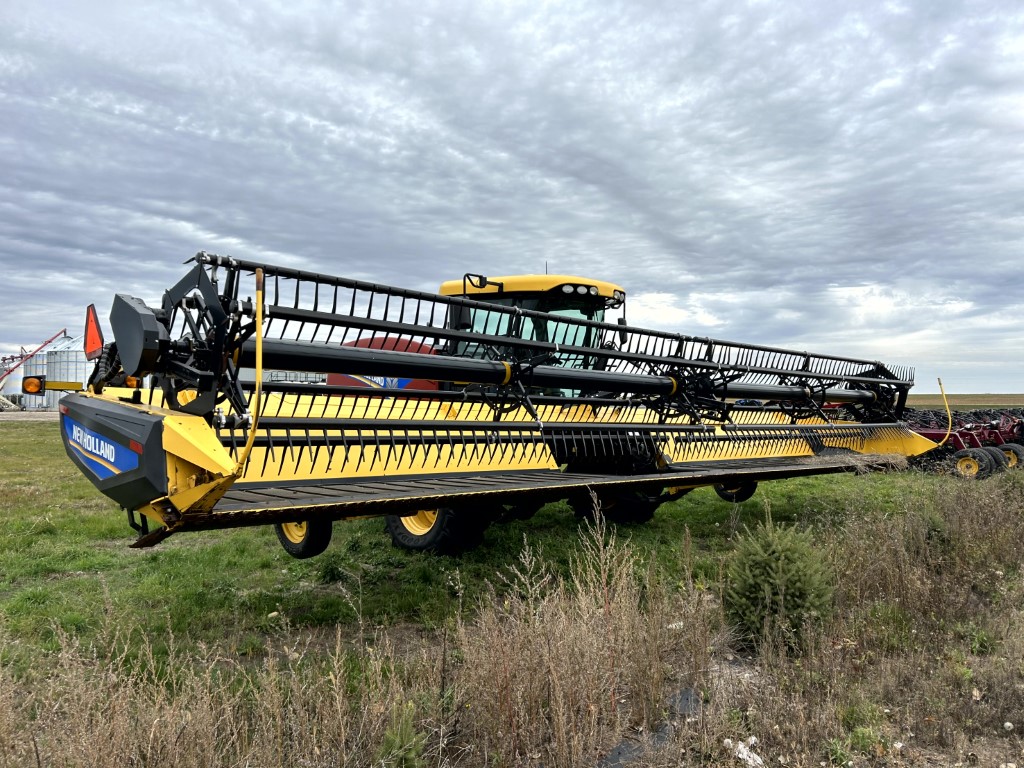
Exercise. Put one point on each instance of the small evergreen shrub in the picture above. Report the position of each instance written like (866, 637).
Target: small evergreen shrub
(403, 743)
(776, 583)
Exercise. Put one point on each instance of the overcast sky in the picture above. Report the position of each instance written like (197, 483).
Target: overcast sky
(843, 178)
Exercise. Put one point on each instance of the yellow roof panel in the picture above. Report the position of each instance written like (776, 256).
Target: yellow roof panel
(527, 284)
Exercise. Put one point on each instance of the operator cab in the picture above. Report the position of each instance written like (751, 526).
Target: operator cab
(568, 296)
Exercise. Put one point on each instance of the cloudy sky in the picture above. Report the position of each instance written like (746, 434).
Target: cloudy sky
(843, 178)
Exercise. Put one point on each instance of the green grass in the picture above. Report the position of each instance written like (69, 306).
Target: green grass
(68, 566)
(103, 646)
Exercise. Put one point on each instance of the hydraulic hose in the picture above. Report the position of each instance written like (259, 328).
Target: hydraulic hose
(254, 410)
(949, 415)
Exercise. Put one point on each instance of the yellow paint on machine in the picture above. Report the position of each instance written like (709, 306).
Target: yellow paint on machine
(367, 456)
(276, 405)
(200, 469)
(363, 458)
(531, 284)
(904, 442)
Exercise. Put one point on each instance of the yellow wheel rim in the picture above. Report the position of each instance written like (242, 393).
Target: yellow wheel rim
(1011, 459)
(420, 523)
(967, 466)
(294, 532)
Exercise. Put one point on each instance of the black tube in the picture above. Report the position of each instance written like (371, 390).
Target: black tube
(361, 361)
(789, 392)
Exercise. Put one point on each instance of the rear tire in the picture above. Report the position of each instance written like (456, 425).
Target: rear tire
(307, 538)
(521, 511)
(1014, 455)
(618, 507)
(736, 492)
(444, 530)
(630, 507)
(999, 461)
(972, 464)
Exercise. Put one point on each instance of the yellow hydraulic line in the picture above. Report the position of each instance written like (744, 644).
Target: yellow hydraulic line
(254, 411)
(949, 415)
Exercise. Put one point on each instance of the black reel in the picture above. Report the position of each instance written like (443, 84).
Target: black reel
(812, 405)
(890, 400)
(196, 371)
(695, 396)
(886, 407)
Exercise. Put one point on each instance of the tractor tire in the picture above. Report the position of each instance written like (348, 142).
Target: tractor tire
(972, 464)
(736, 492)
(999, 460)
(521, 511)
(307, 538)
(631, 507)
(618, 507)
(445, 531)
(1014, 455)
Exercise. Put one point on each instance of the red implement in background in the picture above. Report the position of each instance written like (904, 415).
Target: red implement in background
(10, 363)
(978, 449)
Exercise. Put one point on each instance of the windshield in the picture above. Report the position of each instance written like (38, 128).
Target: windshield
(562, 333)
(571, 307)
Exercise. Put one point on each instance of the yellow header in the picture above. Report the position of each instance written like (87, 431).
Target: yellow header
(531, 284)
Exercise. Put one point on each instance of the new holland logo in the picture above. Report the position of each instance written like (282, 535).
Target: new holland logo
(103, 457)
(386, 382)
(382, 382)
(93, 444)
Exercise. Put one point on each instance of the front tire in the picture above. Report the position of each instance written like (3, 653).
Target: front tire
(444, 530)
(631, 507)
(307, 538)
(736, 492)
(972, 464)
(623, 507)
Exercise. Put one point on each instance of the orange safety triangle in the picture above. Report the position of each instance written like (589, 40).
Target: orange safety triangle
(93, 334)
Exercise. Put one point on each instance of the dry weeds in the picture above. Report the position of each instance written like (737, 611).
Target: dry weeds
(923, 662)
(202, 709)
(556, 670)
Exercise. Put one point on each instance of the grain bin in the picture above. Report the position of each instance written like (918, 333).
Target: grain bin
(65, 361)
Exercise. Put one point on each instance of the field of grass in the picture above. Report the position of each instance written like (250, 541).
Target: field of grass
(218, 649)
(67, 562)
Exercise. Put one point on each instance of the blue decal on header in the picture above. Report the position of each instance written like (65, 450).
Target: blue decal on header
(102, 456)
(383, 382)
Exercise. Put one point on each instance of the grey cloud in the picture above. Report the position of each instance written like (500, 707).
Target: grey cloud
(742, 156)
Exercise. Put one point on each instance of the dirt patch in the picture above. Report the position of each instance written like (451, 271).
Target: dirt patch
(28, 416)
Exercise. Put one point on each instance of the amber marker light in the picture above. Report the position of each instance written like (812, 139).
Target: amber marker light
(33, 385)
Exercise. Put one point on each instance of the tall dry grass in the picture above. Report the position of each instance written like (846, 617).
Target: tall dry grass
(553, 672)
(300, 707)
(924, 655)
(922, 661)
(931, 607)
